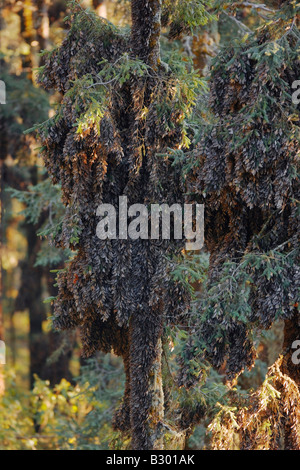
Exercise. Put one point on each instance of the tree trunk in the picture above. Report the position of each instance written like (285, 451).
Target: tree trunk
(35, 305)
(144, 375)
(100, 7)
(2, 382)
(146, 392)
(30, 296)
(148, 429)
(57, 370)
(204, 47)
(146, 28)
(146, 396)
(42, 24)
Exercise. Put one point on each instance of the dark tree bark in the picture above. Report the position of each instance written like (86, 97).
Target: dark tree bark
(30, 296)
(41, 344)
(146, 394)
(57, 370)
(146, 28)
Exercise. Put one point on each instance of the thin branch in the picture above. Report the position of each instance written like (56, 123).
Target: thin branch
(102, 83)
(239, 23)
(256, 6)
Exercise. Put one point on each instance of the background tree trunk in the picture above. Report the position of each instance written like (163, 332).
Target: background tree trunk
(2, 381)
(100, 7)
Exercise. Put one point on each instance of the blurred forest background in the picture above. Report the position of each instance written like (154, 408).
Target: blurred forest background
(50, 397)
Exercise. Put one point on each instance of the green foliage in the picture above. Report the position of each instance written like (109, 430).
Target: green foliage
(43, 208)
(188, 87)
(230, 298)
(79, 415)
(25, 103)
(92, 93)
(37, 199)
(225, 291)
(16, 425)
(192, 270)
(66, 417)
(188, 14)
(244, 167)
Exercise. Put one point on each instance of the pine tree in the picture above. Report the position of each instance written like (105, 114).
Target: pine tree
(121, 111)
(246, 170)
(26, 104)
